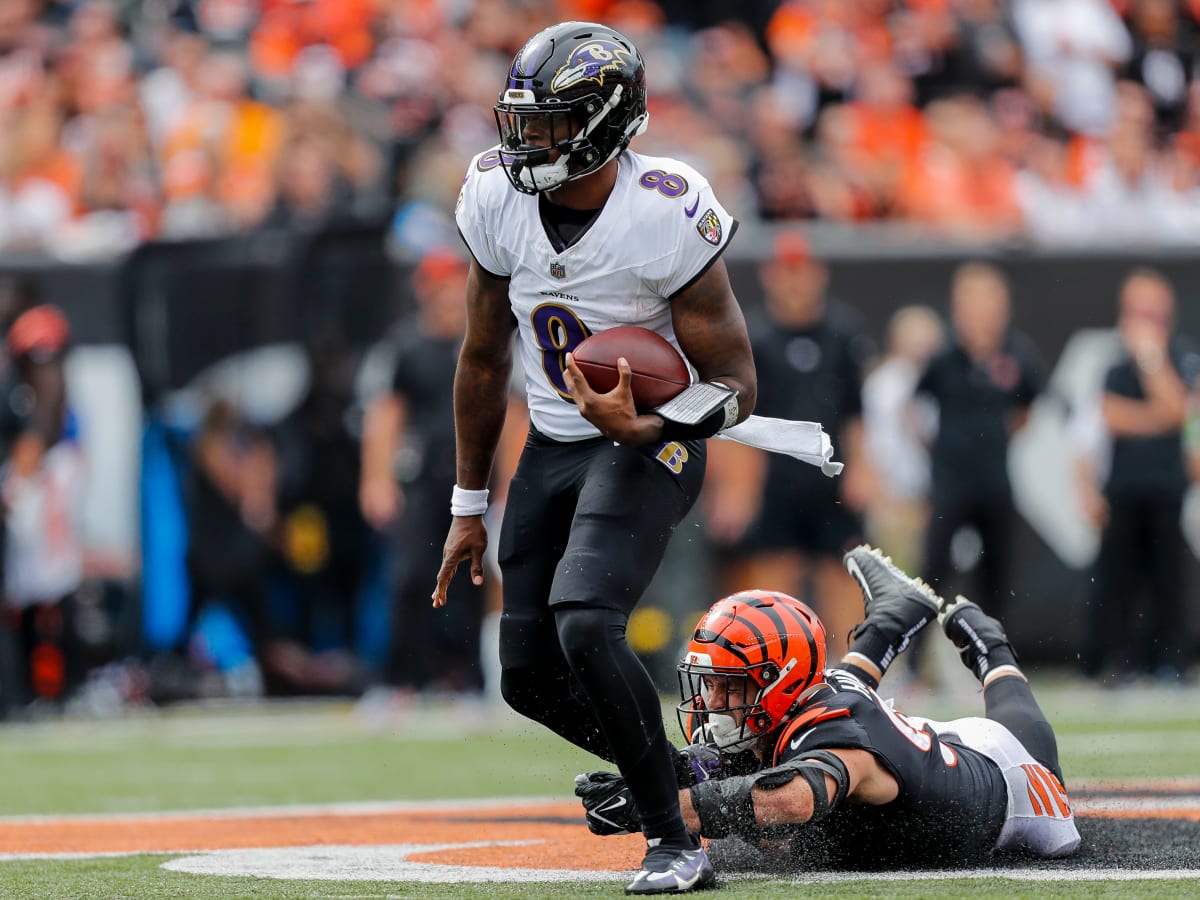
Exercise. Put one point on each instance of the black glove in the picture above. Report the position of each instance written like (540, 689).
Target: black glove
(697, 763)
(608, 803)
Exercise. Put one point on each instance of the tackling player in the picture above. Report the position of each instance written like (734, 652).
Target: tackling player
(572, 233)
(816, 758)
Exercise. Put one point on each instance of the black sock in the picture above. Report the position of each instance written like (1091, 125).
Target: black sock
(861, 674)
(1010, 702)
(872, 643)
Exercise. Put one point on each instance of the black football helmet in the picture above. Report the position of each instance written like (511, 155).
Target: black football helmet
(577, 89)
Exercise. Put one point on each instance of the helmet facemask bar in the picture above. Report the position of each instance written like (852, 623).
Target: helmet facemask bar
(533, 168)
(703, 722)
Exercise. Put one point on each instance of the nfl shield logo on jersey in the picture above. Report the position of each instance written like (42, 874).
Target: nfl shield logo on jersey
(709, 227)
(558, 270)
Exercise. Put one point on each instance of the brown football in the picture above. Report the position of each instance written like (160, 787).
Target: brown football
(659, 371)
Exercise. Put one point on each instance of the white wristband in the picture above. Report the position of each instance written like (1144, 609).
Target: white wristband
(468, 503)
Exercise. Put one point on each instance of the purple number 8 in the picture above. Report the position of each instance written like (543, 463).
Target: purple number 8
(666, 183)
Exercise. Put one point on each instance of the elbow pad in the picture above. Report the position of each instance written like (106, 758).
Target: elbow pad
(724, 807)
(813, 766)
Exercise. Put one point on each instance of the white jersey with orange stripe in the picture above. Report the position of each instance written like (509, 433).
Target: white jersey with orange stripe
(1040, 819)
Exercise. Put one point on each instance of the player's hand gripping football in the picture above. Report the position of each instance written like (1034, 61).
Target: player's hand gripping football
(607, 803)
(466, 540)
(613, 413)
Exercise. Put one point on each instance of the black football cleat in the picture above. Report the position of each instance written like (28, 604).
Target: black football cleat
(672, 870)
(980, 639)
(897, 605)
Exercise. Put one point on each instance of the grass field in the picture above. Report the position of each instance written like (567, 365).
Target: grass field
(81, 787)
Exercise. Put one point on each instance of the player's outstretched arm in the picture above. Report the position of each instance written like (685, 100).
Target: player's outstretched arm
(712, 333)
(480, 402)
(793, 793)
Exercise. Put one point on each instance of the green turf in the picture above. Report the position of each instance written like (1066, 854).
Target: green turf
(324, 753)
(198, 761)
(140, 878)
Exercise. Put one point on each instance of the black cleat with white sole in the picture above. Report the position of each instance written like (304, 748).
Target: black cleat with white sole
(980, 639)
(672, 870)
(897, 605)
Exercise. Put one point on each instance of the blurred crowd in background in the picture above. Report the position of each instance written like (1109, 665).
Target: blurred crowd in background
(1061, 121)
(308, 542)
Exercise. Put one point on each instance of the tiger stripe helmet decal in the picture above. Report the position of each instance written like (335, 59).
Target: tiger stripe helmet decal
(771, 639)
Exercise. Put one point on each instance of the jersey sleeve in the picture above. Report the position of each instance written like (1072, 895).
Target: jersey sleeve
(827, 725)
(699, 227)
(477, 213)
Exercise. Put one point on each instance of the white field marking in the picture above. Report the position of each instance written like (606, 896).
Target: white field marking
(1117, 799)
(390, 863)
(1028, 874)
(1118, 805)
(364, 808)
(380, 863)
(16, 857)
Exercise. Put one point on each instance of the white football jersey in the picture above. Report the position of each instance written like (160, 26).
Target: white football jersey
(658, 231)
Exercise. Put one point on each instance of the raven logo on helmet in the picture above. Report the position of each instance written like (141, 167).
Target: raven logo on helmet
(589, 62)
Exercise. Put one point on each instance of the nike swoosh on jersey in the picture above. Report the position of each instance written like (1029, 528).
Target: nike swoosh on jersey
(695, 206)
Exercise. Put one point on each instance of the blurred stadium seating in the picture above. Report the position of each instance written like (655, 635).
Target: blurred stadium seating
(202, 185)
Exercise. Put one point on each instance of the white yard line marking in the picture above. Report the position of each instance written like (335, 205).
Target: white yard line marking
(380, 863)
(1030, 874)
(390, 863)
(365, 808)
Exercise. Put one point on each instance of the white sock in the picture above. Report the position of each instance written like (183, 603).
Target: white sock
(489, 656)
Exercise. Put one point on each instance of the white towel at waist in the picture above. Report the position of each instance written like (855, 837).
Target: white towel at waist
(806, 441)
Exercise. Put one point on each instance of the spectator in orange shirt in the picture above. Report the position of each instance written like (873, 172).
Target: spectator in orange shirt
(243, 136)
(286, 28)
(39, 181)
(962, 182)
(887, 131)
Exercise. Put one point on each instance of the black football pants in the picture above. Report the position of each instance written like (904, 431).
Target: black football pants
(585, 529)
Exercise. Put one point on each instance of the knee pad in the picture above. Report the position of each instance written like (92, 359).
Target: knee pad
(585, 630)
(527, 640)
(519, 688)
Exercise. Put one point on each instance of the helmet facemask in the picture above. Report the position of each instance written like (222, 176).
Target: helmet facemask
(566, 135)
(726, 706)
(575, 97)
(760, 653)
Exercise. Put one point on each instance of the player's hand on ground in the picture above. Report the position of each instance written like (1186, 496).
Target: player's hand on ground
(607, 803)
(697, 763)
(467, 540)
(613, 413)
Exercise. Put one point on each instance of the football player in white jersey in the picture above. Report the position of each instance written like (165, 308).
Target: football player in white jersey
(571, 233)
